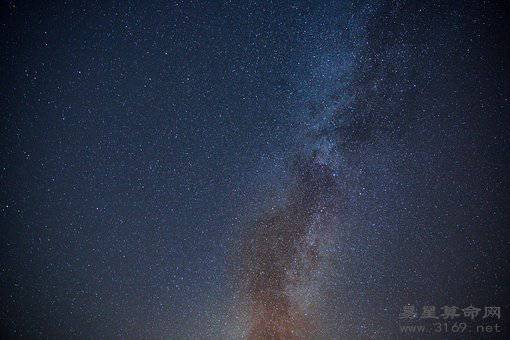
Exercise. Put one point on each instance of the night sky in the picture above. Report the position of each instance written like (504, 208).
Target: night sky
(250, 170)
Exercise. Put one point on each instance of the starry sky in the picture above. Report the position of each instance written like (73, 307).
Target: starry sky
(250, 170)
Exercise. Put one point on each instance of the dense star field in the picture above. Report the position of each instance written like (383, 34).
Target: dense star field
(252, 170)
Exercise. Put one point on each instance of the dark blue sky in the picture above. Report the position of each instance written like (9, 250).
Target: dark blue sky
(144, 144)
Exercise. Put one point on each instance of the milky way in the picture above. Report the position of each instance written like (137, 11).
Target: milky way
(251, 169)
(282, 254)
(361, 124)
